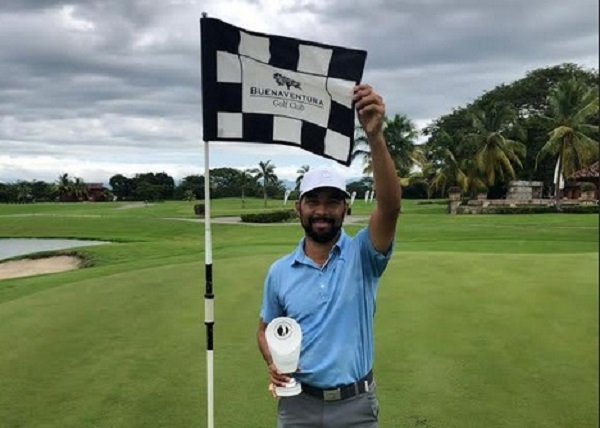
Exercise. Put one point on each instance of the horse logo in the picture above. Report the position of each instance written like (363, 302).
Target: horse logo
(286, 81)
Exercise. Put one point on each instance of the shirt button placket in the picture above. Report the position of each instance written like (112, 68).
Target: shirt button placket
(322, 290)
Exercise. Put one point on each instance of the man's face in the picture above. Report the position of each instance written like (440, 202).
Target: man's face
(322, 213)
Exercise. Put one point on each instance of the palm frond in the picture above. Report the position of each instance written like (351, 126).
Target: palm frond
(584, 140)
(506, 165)
(551, 148)
(588, 129)
(560, 132)
(589, 110)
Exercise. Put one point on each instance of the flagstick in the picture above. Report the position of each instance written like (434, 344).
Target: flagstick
(209, 310)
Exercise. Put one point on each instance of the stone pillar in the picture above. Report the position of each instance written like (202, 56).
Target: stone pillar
(453, 202)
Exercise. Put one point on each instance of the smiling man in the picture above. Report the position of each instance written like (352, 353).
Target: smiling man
(329, 284)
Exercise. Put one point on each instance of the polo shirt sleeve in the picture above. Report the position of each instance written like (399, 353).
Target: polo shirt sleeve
(271, 307)
(374, 261)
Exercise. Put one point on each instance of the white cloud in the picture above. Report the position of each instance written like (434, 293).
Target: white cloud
(71, 23)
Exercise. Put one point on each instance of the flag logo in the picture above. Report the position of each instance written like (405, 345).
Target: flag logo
(286, 81)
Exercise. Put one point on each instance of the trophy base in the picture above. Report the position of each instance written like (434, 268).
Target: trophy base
(292, 388)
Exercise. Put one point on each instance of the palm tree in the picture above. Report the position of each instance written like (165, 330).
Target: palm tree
(475, 180)
(495, 152)
(79, 188)
(422, 176)
(361, 150)
(303, 170)
(571, 105)
(400, 134)
(448, 173)
(245, 178)
(24, 192)
(64, 186)
(265, 171)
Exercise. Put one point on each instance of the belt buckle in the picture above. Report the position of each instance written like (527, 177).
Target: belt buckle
(332, 394)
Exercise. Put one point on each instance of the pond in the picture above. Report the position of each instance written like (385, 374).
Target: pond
(13, 247)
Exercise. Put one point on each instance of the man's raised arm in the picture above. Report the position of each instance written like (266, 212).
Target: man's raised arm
(382, 225)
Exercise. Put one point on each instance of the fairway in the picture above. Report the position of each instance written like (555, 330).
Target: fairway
(482, 321)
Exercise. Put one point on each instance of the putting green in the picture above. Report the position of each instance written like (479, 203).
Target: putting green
(481, 322)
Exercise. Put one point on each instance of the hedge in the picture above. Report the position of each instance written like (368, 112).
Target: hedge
(581, 209)
(434, 202)
(199, 209)
(519, 210)
(269, 217)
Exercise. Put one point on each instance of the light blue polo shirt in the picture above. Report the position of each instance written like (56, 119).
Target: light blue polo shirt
(334, 305)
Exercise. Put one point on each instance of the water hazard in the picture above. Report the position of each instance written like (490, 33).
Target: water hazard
(13, 247)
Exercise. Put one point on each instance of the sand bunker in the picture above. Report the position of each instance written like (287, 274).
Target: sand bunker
(28, 267)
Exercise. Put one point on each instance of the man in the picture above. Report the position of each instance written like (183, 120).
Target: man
(328, 285)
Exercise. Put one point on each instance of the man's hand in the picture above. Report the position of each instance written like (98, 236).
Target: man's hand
(272, 390)
(276, 378)
(370, 108)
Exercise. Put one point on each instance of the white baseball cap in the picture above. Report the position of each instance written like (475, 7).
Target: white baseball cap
(322, 177)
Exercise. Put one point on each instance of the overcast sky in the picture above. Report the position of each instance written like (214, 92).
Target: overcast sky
(95, 88)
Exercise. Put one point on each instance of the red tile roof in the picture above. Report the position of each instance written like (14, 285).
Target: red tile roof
(590, 172)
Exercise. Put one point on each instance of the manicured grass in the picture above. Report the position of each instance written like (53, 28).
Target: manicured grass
(178, 209)
(482, 321)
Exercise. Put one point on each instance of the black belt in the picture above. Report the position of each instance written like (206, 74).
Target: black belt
(342, 392)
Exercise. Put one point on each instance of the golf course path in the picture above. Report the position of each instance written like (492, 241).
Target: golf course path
(28, 267)
(238, 220)
(134, 205)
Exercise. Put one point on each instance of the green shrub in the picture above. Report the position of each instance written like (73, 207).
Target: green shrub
(434, 202)
(581, 209)
(199, 209)
(269, 217)
(588, 187)
(542, 209)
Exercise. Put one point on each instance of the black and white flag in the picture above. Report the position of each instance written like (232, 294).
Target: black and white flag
(272, 89)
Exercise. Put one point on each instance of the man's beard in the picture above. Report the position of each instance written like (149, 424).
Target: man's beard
(322, 237)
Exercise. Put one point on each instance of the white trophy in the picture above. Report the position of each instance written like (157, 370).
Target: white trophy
(284, 338)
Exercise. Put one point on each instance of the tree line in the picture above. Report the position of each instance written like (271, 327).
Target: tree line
(529, 129)
(544, 123)
(524, 130)
(224, 182)
(64, 189)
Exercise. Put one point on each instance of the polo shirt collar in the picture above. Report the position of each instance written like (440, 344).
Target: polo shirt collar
(301, 257)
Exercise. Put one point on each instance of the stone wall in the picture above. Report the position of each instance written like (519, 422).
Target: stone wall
(525, 190)
(475, 206)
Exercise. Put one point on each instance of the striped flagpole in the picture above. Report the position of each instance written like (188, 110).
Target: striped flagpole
(209, 310)
(209, 297)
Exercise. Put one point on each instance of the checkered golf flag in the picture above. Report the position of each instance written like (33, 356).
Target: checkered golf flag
(270, 89)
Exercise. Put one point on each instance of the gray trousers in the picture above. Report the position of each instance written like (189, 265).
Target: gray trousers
(306, 411)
